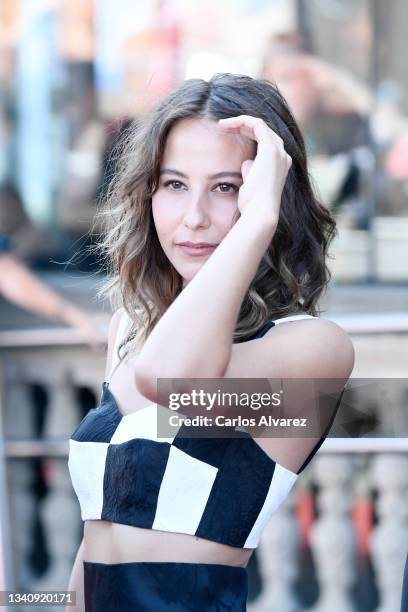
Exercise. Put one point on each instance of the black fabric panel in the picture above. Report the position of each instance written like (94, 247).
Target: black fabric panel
(133, 474)
(238, 493)
(211, 450)
(163, 586)
(100, 423)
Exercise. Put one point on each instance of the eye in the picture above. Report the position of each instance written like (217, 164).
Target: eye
(174, 186)
(172, 183)
(228, 185)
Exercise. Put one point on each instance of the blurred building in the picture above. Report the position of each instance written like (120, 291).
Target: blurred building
(68, 69)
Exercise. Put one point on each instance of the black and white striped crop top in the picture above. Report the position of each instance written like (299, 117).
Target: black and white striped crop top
(221, 489)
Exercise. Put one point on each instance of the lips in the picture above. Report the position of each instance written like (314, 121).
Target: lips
(197, 249)
(197, 244)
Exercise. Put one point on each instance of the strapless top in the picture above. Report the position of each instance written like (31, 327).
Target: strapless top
(221, 489)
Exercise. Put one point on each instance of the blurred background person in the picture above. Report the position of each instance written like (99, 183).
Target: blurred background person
(24, 289)
(334, 109)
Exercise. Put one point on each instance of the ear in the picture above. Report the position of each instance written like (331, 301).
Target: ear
(245, 168)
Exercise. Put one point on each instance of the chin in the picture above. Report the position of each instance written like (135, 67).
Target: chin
(188, 275)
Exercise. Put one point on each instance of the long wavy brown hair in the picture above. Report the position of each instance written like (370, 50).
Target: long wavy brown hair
(292, 273)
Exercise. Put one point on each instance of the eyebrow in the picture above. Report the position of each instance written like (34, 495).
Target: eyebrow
(212, 176)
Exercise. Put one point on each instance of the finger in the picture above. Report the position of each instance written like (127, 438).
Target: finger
(245, 168)
(252, 127)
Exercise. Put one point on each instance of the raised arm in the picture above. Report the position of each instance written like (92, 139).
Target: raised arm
(193, 339)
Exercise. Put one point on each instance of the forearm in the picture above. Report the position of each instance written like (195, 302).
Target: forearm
(194, 336)
(19, 285)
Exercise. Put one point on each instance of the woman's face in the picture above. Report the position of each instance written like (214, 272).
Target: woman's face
(197, 194)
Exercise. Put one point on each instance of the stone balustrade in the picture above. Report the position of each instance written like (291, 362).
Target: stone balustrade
(48, 387)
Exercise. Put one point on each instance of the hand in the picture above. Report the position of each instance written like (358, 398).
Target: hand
(265, 176)
(84, 323)
(337, 90)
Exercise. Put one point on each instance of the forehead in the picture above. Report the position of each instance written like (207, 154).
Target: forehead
(192, 140)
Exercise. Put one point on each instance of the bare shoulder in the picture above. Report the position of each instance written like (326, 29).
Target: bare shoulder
(295, 349)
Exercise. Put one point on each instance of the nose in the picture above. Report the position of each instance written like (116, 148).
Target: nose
(196, 213)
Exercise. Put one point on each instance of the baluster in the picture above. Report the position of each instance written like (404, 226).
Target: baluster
(332, 536)
(60, 511)
(277, 555)
(389, 542)
(19, 425)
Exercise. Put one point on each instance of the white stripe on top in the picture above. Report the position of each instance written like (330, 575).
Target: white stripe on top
(294, 318)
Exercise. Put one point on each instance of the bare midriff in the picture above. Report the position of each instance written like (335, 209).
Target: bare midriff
(108, 542)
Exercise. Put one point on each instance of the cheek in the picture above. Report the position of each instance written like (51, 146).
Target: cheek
(226, 219)
(163, 214)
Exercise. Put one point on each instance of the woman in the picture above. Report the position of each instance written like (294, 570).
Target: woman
(171, 524)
